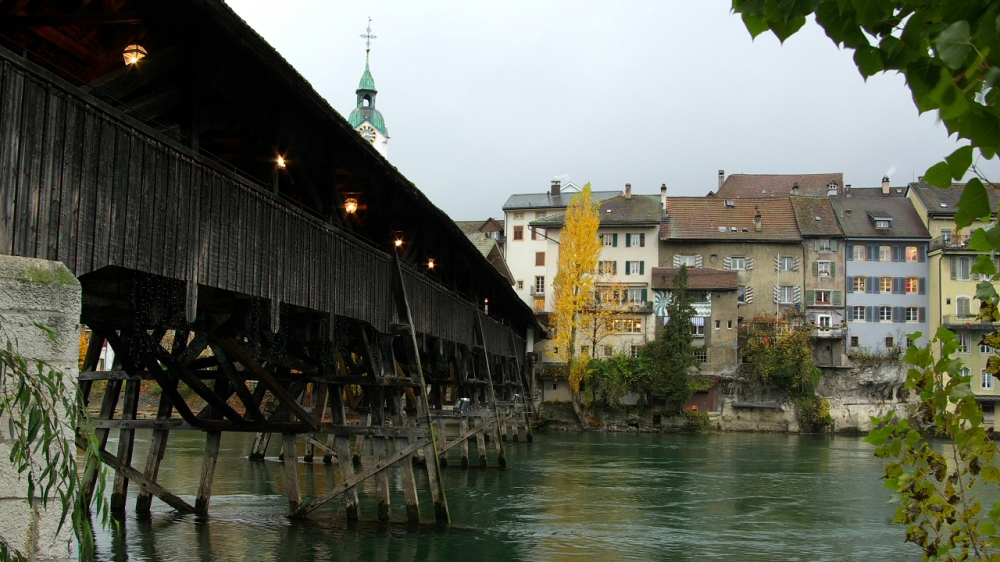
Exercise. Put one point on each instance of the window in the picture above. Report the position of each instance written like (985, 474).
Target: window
(518, 233)
(890, 342)
(858, 313)
(718, 324)
(885, 284)
(855, 341)
(946, 237)
(701, 355)
(858, 251)
(540, 304)
(884, 252)
(739, 263)
(540, 284)
(690, 261)
(963, 341)
(608, 239)
(912, 314)
(912, 253)
(823, 297)
(541, 215)
(635, 296)
(961, 267)
(823, 245)
(785, 263)
(520, 284)
(634, 239)
(859, 284)
(729, 325)
(625, 325)
(539, 258)
(986, 381)
(698, 326)
(963, 372)
(909, 342)
(741, 294)
(882, 223)
(537, 233)
(634, 351)
(983, 348)
(634, 268)
(607, 268)
(518, 215)
(962, 305)
(912, 285)
(608, 352)
(824, 321)
(885, 313)
(786, 294)
(824, 268)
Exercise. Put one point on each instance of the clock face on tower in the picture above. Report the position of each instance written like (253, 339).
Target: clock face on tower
(368, 133)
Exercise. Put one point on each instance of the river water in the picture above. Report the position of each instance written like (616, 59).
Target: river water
(566, 496)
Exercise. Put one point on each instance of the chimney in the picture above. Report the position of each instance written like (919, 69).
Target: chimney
(555, 188)
(885, 185)
(628, 191)
(795, 188)
(722, 177)
(756, 218)
(663, 199)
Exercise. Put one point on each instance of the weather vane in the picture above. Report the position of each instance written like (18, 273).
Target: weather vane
(367, 36)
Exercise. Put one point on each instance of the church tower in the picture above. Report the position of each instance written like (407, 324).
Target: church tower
(365, 118)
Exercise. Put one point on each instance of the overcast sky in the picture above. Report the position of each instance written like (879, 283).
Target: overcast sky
(485, 99)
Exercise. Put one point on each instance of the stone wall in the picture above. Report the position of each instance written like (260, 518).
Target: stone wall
(44, 292)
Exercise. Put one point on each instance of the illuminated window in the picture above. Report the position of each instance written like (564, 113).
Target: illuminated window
(885, 284)
(859, 284)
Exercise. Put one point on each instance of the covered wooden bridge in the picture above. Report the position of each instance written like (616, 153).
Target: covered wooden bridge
(198, 187)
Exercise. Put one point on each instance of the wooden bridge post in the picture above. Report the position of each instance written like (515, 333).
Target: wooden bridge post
(501, 457)
(405, 466)
(126, 441)
(290, 444)
(343, 443)
(155, 455)
(211, 455)
(463, 428)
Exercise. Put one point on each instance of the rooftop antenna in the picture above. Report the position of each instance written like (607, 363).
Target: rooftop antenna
(367, 36)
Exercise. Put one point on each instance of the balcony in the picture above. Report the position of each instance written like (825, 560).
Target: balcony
(827, 333)
(967, 321)
(952, 242)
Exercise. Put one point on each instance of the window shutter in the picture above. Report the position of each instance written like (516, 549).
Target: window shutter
(870, 314)
(815, 269)
(850, 284)
(749, 263)
(923, 253)
(677, 260)
(795, 264)
(645, 295)
(797, 294)
(850, 252)
(642, 239)
(895, 253)
(777, 260)
(922, 314)
(698, 261)
(838, 298)
(777, 291)
(922, 284)
(954, 273)
(727, 263)
(816, 244)
(833, 269)
(614, 268)
(614, 240)
(872, 253)
(628, 240)
(748, 295)
(872, 286)
(833, 245)
(811, 298)
(899, 314)
(896, 282)
(628, 263)
(642, 269)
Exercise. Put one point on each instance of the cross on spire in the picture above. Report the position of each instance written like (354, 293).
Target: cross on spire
(367, 36)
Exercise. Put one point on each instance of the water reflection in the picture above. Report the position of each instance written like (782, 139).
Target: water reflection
(641, 497)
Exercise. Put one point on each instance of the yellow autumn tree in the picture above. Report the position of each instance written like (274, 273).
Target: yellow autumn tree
(573, 287)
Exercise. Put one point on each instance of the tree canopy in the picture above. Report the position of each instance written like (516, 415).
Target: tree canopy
(671, 356)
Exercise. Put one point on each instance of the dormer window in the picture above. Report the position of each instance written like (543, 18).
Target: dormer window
(882, 223)
(730, 202)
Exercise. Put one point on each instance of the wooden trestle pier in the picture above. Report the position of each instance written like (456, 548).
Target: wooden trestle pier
(242, 287)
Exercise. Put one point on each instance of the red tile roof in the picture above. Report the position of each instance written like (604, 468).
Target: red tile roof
(741, 186)
(711, 218)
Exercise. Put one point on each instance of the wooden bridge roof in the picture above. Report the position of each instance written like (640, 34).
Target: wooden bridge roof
(215, 90)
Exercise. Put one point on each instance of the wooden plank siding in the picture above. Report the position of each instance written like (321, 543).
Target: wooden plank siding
(83, 185)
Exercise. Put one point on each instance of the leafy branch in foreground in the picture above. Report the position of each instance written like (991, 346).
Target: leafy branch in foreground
(41, 408)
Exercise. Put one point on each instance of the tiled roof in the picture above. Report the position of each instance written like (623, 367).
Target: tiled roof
(855, 217)
(740, 186)
(894, 191)
(816, 217)
(546, 201)
(469, 227)
(635, 211)
(943, 202)
(710, 218)
(699, 278)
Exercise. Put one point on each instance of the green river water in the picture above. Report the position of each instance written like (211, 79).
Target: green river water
(566, 496)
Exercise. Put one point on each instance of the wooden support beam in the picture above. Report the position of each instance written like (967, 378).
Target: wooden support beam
(463, 428)
(343, 446)
(405, 467)
(481, 337)
(237, 381)
(378, 454)
(137, 477)
(95, 346)
(126, 440)
(155, 455)
(291, 472)
(270, 426)
(209, 459)
(63, 20)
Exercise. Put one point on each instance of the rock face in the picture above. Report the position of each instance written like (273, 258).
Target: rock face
(44, 292)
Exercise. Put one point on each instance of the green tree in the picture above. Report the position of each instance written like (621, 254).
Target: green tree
(671, 358)
(778, 354)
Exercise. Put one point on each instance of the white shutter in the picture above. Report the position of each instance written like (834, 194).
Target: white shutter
(777, 293)
(677, 260)
(748, 295)
(795, 264)
(727, 263)
(698, 261)
(797, 295)
(749, 263)
(777, 263)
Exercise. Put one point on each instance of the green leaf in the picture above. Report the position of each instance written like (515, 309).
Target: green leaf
(784, 30)
(953, 44)
(974, 204)
(938, 175)
(991, 474)
(755, 24)
(978, 241)
(869, 61)
(950, 100)
(959, 162)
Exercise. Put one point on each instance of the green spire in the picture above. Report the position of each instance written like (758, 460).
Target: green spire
(367, 82)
